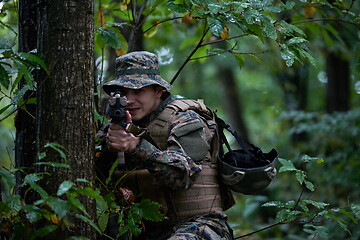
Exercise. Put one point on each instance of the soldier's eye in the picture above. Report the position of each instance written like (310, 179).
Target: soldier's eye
(123, 92)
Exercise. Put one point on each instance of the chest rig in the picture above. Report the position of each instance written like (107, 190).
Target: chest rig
(205, 194)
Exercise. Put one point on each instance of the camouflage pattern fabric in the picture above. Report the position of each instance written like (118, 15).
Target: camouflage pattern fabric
(202, 228)
(173, 166)
(210, 227)
(136, 70)
(177, 170)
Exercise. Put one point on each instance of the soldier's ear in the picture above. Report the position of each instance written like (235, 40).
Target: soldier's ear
(158, 90)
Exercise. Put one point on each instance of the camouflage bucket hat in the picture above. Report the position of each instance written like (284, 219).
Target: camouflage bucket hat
(136, 70)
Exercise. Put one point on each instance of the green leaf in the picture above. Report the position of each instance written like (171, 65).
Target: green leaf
(300, 176)
(110, 36)
(53, 164)
(283, 215)
(59, 206)
(18, 98)
(5, 108)
(76, 203)
(15, 204)
(255, 58)
(35, 59)
(41, 155)
(32, 177)
(307, 158)
(89, 221)
(273, 204)
(42, 232)
(320, 231)
(64, 187)
(313, 62)
(355, 208)
(345, 213)
(268, 27)
(344, 226)
(304, 206)
(111, 171)
(216, 26)
(38, 189)
(289, 5)
(150, 210)
(288, 56)
(25, 72)
(57, 147)
(241, 59)
(34, 216)
(102, 214)
(309, 185)
(8, 179)
(296, 40)
(132, 221)
(318, 205)
(342, 223)
(287, 165)
(4, 77)
(33, 213)
(251, 15)
(91, 193)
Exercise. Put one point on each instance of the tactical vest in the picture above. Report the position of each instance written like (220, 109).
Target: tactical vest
(206, 194)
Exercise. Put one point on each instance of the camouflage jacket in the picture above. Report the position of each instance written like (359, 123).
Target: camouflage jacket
(178, 165)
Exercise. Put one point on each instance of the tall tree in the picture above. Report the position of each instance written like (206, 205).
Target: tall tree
(25, 118)
(338, 87)
(65, 97)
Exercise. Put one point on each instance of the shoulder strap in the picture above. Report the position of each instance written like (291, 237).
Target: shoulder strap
(182, 105)
(222, 125)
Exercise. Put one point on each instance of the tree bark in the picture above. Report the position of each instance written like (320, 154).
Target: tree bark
(25, 119)
(65, 97)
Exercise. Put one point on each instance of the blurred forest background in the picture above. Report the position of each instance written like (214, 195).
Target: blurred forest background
(299, 106)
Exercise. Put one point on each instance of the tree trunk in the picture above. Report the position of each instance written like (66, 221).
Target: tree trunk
(65, 97)
(338, 86)
(25, 119)
(233, 101)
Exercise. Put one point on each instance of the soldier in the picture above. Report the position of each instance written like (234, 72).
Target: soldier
(173, 161)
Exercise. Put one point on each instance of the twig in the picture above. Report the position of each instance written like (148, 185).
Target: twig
(160, 22)
(261, 229)
(223, 40)
(326, 19)
(190, 55)
(229, 51)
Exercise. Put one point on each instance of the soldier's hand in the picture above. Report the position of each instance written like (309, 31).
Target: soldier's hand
(119, 140)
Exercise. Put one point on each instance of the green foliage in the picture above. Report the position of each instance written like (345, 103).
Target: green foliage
(248, 27)
(52, 212)
(249, 18)
(13, 68)
(309, 213)
(335, 138)
(120, 203)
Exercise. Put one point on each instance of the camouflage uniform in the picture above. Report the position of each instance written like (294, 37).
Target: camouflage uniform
(178, 164)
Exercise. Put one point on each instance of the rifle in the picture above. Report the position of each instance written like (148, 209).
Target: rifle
(115, 110)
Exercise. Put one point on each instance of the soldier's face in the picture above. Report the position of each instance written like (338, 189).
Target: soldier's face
(141, 102)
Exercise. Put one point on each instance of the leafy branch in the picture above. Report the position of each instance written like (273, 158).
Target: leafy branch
(190, 55)
(57, 210)
(309, 213)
